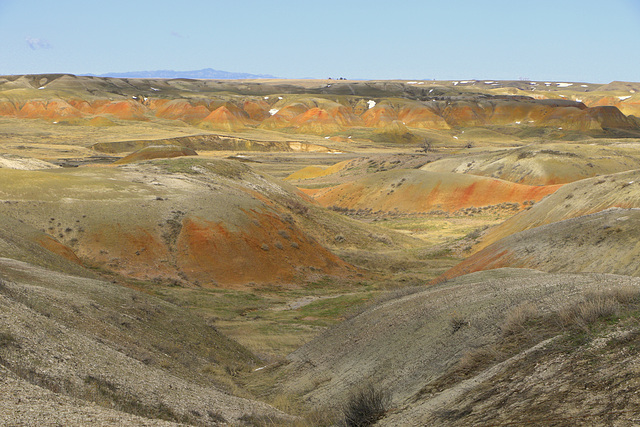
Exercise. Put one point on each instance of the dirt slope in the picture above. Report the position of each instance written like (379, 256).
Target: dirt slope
(99, 342)
(416, 191)
(402, 344)
(207, 222)
(604, 242)
(572, 200)
(543, 164)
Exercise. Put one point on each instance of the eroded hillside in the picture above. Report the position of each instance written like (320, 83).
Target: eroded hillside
(251, 252)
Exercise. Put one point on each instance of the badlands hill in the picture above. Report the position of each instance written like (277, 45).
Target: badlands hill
(452, 342)
(543, 164)
(583, 197)
(416, 191)
(311, 107)
(609, 246)
(183, 220)
(250, 252)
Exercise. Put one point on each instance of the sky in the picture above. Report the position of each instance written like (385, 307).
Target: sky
(562, 40)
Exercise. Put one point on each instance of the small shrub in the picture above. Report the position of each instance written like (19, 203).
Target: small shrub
(6, 339)
(365, 406)
(457, 322)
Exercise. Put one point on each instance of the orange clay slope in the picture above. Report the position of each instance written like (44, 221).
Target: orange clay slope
(543, 164)
(588, 196)
(209, 222)
(416, 191)
(228, 107)
(603, 242)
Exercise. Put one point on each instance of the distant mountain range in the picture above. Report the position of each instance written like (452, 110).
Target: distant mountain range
(205, 73)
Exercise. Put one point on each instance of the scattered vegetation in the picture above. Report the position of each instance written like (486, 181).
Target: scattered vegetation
(365, 405)
(526, 325)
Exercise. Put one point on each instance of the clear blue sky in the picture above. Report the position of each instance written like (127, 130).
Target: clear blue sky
(578, 40)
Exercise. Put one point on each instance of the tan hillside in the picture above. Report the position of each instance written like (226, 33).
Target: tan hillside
(572, 200)
(156, 152)
(174, 220)
(603, 242)
(415, 191)
(90, 341)
(543, 164)
(407, 343)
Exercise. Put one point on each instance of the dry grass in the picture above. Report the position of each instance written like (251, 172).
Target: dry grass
(516, 319)
(526, 325)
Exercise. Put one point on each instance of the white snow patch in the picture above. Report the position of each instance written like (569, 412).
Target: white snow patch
(455, 137)
(455, 83)
(430, 90)
(273, 111)
(266, 97)
(349, 137)
(489, 82)
(584, 86)
(517, 123)
(420, 83)
(464, 82)
(622, 98)
(560, 128)
(279, 97)
(55, 123)
(134, 97)
(547, 84)
(326, 137)
(564, 84)
(533, 83)
(153, 88)
(41, 87)
(578, 100)
(412, 83)
(260, 368)
(371, 103)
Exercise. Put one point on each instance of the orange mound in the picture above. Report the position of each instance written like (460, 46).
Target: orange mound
(422, 117)
(82, 106)
(379, 116)
(180, 109)
(214, 255)
(525, 112)
(125, 110)
(316, 120)
(415, 191)
(282, 118)
(156, 152)
(464, 114)
(224, 119)
(52, 110)
(344, 116)
(257, 110)
(8, 109)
